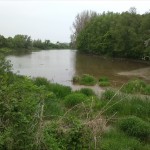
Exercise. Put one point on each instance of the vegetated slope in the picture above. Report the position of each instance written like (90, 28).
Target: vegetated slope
(37, 114)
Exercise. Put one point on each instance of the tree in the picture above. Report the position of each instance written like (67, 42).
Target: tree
(22, 41)
(80, 21)
(2, 41)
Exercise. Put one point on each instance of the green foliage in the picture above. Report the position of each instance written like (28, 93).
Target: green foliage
(104, 81)
(108, 94)
(53, 108)
(116, 140)
(25, 43)
(40, 81)
(59, 90)
(38, 114)
(117, 35)
(72, 135)
(74, 99)
(134, 86)
(136, 127)
(18, 110)
(5, 50)
(125, 105)
(87, 92)
(87, 80)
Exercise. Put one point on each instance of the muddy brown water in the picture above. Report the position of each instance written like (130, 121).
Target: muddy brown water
(61, 65)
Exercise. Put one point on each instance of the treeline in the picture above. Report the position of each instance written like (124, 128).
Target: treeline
(125, 34)
(24, 42)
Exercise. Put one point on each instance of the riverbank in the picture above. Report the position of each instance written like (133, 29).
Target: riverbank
(43, 114)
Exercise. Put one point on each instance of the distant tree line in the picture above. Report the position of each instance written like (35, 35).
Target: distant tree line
(125, 34)
(24, 42)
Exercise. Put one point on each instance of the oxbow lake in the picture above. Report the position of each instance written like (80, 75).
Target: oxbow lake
(60, 66)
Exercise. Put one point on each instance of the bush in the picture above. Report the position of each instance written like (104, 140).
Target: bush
(87, 80)
(136, 127)
(87, 92)
(104, 81)
(74, 99)
(71, 136)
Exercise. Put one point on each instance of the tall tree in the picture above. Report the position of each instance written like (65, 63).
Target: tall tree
(80, 21)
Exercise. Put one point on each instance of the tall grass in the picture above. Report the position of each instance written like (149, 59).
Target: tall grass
(136, 127)
(136, 86)
(116, 140)
(126, 105)
(59, 90)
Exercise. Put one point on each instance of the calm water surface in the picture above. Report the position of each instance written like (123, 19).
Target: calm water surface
(61, 65)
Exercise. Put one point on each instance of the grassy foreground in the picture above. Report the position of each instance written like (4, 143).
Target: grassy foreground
(36, 114)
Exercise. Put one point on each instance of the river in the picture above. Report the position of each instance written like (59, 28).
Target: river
(61, 65)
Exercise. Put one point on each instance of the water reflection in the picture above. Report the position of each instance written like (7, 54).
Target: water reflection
(101, 66)
(55, 65)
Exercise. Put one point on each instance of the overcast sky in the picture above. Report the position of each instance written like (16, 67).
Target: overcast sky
(52, 19)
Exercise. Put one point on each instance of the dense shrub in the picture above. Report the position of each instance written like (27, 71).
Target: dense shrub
(74, 99)
(73, 135)
(136, 127)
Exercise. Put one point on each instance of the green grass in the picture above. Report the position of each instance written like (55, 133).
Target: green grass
(104, 81)
(116, 140)
(136, 86)
(124, 105)
(135, 127)
(59, 90)
(74, 99)
(85, 79)
(87, 92)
